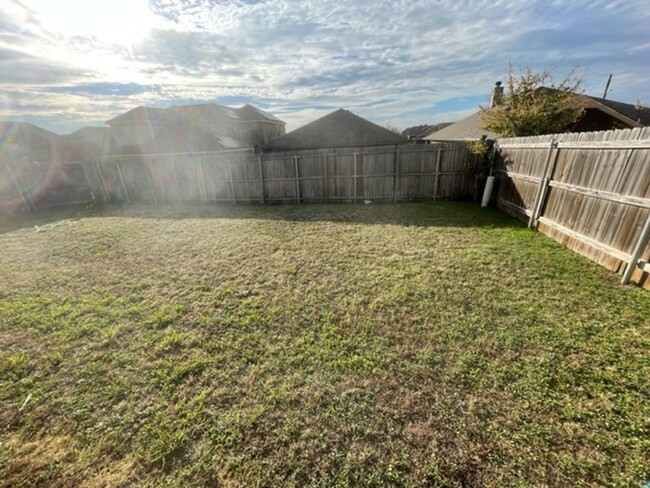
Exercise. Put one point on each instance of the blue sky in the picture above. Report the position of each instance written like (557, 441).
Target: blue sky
(69, 63)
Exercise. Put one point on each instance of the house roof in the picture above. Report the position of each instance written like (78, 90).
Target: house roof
(20, 141)
(196, 113)
(250, 113)
(90, 133)
(421, 131)
(143, 115)
(86, 143)
(417, 132)
(23, 129)
(470, 128)
(175, 138)
(205, 112)
(337, 129)
(626, 112)
(187, 127)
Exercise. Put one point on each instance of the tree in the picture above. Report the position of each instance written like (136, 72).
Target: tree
(534, 104)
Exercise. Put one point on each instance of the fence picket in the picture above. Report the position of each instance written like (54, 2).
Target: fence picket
(595, 196)
(380, 173)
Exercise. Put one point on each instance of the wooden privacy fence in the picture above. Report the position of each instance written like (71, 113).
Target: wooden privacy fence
(589, 191)
(39, 185)
(404, 172)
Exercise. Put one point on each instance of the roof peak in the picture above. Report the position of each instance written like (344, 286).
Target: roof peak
(340, 128)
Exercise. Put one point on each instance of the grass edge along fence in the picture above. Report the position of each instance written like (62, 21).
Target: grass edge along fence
(352, 174)
(589, 191)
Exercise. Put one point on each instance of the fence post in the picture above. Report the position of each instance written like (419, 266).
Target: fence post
(396, 174)
(638, 250)
(325, 180)
(83, 165)
(421, 189)
(119, 172)
(295, 163)
(30, 198)
(153, 183)
(355, 177)
(100, 177)
(547, 181)
(436, 174)
(178, 187)
(202, 176)
(261, 168)
(542, 181)
(232, 183)
(22, 197)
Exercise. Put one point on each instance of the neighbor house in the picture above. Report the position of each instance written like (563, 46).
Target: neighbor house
(418, 133)
(340, 128)
(39, 167)
(197, 127)
(86, 144)
(599, 114)
(259, 127)
(22, 142)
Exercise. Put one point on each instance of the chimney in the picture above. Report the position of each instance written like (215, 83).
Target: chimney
(497, 95)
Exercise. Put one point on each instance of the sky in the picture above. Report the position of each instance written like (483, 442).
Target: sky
(65, 64)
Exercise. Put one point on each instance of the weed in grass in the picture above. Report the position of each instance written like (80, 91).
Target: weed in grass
(170, 372)
(170, 342)
(56, 358)
(163, 439)
(166, 314)
(15, 365)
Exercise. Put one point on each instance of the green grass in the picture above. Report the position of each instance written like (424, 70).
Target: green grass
(381, 345)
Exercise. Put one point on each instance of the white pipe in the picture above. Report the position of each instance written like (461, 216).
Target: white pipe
(487, 193)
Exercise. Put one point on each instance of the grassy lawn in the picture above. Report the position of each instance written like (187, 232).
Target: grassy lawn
(379, 345)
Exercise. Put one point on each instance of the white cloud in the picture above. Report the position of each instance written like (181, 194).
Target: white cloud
(398, 61)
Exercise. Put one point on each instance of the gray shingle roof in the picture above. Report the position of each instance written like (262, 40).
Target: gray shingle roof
(417, 132)
(197, 113)
(205, 113)
(341, 128)
(141, 115)
(465, 129)
(251, 113)
(638, 114)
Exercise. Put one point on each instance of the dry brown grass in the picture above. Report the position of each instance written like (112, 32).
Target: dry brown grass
(392, 345)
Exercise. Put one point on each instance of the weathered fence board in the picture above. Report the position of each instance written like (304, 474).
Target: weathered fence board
(596, 196)
(378, 173)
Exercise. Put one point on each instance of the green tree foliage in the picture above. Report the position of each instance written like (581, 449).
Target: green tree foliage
(483, 151)
(534, 104)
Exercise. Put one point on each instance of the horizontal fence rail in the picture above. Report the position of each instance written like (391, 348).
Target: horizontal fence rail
(589, 191)
(379, 173)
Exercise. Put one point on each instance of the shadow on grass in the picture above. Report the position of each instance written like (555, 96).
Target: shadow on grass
(418, 214)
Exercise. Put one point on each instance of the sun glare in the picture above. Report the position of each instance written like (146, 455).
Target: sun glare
(124, 22)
